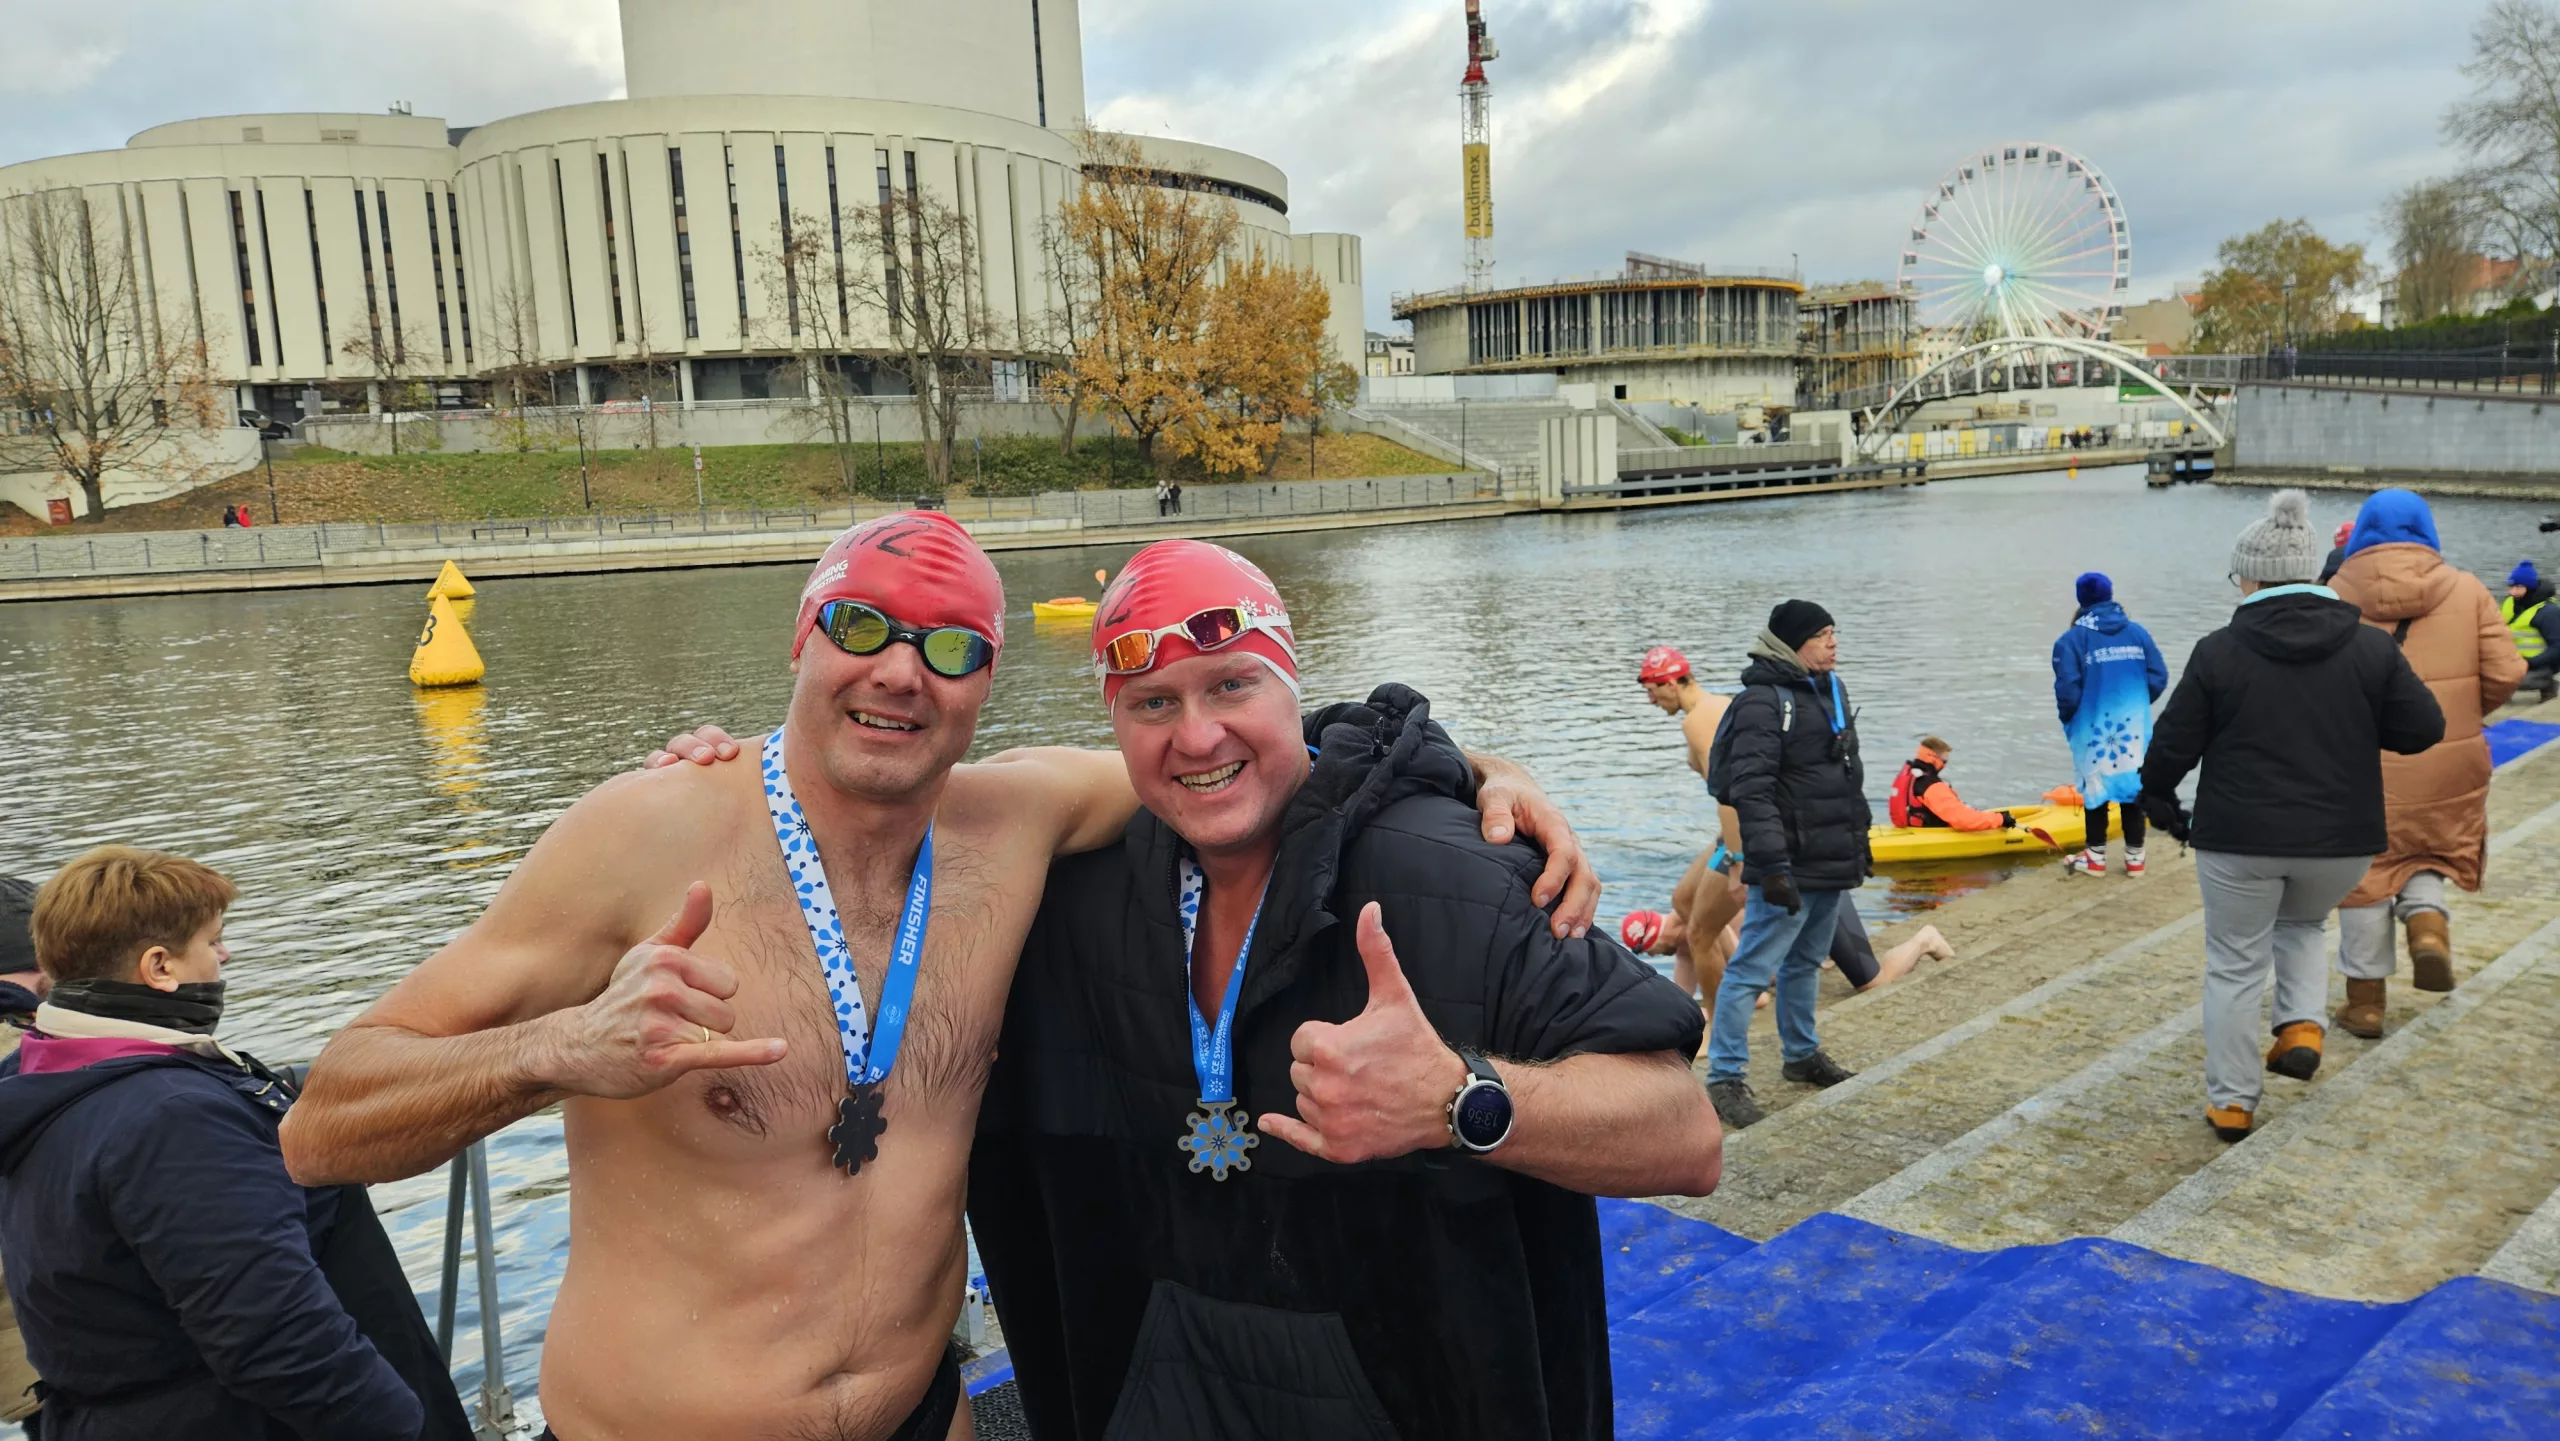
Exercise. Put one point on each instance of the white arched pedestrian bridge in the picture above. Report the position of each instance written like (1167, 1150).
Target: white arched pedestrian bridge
(1995, 365)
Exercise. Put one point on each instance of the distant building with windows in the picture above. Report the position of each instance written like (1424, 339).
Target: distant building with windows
(1662, 330)
(593, 241)
(1389, 354)
(1856, 343)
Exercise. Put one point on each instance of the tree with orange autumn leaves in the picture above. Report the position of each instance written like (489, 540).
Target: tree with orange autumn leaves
(1184, 337)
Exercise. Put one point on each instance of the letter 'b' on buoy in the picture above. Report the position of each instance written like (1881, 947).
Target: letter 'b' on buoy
(445, 654)
(450, 584)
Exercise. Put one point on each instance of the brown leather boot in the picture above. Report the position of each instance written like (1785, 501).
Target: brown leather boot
(2430, 952)
(2362, 1015)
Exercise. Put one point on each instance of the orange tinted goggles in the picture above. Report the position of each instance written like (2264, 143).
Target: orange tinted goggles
(1211, 629)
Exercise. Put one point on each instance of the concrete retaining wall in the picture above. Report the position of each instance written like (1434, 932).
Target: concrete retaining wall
(626, 426)
(187, 460)
(2334, 428)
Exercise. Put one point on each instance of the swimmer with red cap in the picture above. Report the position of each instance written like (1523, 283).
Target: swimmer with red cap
(1698, 933)
(767, 996)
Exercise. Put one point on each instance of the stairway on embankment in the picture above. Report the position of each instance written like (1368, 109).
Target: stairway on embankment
(2048, 1084)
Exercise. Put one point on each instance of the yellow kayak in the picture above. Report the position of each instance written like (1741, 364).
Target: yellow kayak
(2067, 825)
(1065, 607)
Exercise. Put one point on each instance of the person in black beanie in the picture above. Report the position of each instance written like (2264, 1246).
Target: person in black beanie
(1786, 760)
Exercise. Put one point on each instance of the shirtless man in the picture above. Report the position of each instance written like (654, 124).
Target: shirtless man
(1709, 897)
(727, 1276)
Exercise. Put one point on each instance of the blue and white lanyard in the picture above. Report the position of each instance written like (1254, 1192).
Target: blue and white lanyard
(1839, 707)
(1212, 1050)
(869, 1051)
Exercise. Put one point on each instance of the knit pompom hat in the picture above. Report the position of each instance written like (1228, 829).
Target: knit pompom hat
(2279, 549)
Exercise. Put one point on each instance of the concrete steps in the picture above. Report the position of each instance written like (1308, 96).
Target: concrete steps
(2048, 1085)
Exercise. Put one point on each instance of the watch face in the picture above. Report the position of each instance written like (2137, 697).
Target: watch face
(1484, 1115)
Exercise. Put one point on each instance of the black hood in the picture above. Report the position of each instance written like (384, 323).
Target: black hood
(1369, 755)
(17, 1000)
(2534, 597)
(2296, 629)
(1763, 671)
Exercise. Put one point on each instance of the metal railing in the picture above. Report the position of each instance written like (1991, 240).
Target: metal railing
(493, 1415)
(277, 548)
(1689, 458)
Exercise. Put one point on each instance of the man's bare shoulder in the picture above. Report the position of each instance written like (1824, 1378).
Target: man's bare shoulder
(1055, 799)
(643, 819)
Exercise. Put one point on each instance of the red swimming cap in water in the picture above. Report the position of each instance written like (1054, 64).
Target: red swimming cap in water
(1640, 930)
(1173, 580)
(1662, 666)
(918, 567)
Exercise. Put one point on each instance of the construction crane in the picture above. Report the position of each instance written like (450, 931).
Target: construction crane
(1475, 115)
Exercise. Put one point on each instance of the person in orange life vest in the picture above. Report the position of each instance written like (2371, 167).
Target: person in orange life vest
(1922, 797)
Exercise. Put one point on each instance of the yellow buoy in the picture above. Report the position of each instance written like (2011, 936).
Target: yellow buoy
(445, 654)
(450, 584)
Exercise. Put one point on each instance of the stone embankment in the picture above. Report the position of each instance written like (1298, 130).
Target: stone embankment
(2048, 1083)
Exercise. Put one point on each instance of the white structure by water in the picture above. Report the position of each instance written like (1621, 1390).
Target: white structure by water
(609, 234)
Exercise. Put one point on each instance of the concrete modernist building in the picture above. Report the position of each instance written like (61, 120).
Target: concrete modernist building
(594, 238)
(1857, 342)
(1662, 330)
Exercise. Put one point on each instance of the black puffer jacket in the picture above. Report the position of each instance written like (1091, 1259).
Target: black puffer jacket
(2289, 709)
(1435, 1295)
(1802, 796)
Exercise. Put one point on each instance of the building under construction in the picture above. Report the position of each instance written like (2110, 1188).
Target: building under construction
(1661, 330)
(1856, 343)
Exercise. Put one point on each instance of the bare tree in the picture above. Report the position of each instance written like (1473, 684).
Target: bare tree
(1058, 333)
(394, 357)
(2432, 233)
(930, 285)
(808, 267)
(2511, 125)
(511, 359)
(651, 377)
(89, 382)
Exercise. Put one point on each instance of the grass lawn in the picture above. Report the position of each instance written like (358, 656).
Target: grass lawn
(316, 485)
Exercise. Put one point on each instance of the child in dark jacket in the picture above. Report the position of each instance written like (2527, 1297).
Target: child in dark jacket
(169, 1277)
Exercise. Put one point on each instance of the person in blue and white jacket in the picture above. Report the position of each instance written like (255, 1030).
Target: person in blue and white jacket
(2106, 674)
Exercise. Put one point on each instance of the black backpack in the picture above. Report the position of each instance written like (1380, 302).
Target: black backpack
(1719, 751)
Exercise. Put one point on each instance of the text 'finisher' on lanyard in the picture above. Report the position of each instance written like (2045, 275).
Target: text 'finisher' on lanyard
(1218, 1136)
(869, 1050)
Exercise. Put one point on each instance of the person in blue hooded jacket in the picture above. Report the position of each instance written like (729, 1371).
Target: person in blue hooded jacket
(2106, 674)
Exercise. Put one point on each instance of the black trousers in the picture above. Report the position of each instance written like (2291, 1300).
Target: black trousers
(2127, 811)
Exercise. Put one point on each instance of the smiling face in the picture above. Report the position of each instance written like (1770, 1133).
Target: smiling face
(1214, 748)
(885, 726)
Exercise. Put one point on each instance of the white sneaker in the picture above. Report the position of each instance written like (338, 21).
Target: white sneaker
(2087, 863)
(2133, 861)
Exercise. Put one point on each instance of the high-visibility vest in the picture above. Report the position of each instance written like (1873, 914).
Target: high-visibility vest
(2520, 625)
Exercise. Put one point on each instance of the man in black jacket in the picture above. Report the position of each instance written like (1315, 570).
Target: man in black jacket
(2288, 709)
(1247, 1170)
(1788, 765)
(172, 1281)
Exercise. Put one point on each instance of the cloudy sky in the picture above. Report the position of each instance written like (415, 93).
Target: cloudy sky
(1731, 131)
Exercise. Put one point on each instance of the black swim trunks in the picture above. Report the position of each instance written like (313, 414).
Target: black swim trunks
(933, 1416)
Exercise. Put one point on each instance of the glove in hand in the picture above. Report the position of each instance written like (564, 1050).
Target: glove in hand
(1781, 891)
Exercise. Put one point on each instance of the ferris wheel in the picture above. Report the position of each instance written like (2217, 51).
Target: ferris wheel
(2021, 240)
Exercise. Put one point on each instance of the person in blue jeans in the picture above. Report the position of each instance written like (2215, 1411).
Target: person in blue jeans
(1787, 762)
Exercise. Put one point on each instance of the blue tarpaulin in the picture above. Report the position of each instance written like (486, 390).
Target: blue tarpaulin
(2509, 739)
(1838, 1328)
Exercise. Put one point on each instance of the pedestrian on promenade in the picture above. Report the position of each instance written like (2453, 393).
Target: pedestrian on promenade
(2106, 674)
(169, 1277)
(1177, 497)
(2436, 804)
(1164, 497)
(2287, 710)
(2535, 623)
(1788, 765)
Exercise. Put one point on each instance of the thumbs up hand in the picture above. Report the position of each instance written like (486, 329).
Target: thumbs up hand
(1379, 1085)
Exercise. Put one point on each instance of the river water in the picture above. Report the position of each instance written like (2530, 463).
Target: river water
(275, 735)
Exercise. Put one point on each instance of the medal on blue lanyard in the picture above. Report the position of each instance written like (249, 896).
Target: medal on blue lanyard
(869, 1049)
(1218, 1135)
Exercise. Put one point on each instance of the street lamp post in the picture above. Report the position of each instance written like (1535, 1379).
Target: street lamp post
(267, 457)
(586, 489)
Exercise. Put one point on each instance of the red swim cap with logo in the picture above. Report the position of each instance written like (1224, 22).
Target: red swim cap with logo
(1662, 666)
(918, 567)
(1173, 580)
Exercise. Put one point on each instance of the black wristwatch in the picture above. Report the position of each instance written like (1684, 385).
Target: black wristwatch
(1480, 1114)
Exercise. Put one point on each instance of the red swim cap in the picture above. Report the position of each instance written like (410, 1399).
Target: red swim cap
(919, 567)
(1662, 666)
(1640, 930)
(1173, 580)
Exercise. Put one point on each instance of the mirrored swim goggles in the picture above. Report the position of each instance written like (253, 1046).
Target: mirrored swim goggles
(950, 651)
(1213, 629)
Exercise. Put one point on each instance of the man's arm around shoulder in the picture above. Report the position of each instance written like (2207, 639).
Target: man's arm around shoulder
(555, 991)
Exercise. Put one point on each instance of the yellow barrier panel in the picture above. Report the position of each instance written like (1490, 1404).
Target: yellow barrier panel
(450, 584)
(445, 654)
